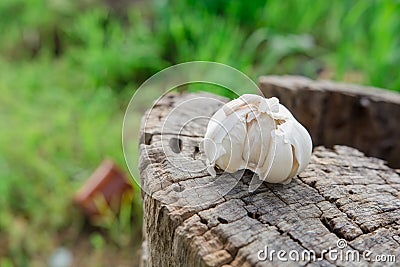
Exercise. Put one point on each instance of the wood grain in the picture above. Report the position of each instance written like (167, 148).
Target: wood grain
(192, 219)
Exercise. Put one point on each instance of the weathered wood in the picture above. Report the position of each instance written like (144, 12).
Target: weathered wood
(338, 113)
(192, 219)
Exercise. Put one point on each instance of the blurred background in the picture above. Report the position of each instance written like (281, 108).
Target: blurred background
(69, 68)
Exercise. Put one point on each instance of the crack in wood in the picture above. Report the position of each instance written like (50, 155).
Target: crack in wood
(312, 212)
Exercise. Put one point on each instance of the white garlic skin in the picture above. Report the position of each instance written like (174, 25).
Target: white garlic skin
(259, 134)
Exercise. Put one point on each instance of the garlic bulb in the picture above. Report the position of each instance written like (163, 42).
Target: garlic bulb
(259, 134)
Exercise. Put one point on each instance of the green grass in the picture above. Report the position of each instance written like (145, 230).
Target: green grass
(54, 134)
(69, 68)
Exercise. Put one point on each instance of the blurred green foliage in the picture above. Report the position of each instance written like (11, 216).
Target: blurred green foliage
(69, 68)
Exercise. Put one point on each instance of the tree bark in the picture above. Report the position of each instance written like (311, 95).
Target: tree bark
(193, 219)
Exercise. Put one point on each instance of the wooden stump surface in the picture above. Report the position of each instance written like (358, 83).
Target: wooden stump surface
(192, 219)
(338, 113)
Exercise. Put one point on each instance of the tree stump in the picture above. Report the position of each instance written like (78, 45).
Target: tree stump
(343, 201)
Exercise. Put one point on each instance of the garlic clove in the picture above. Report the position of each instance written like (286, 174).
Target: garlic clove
(225, 133)
(301, 141)
(282, 162)
(232, 159)
(255, 152)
